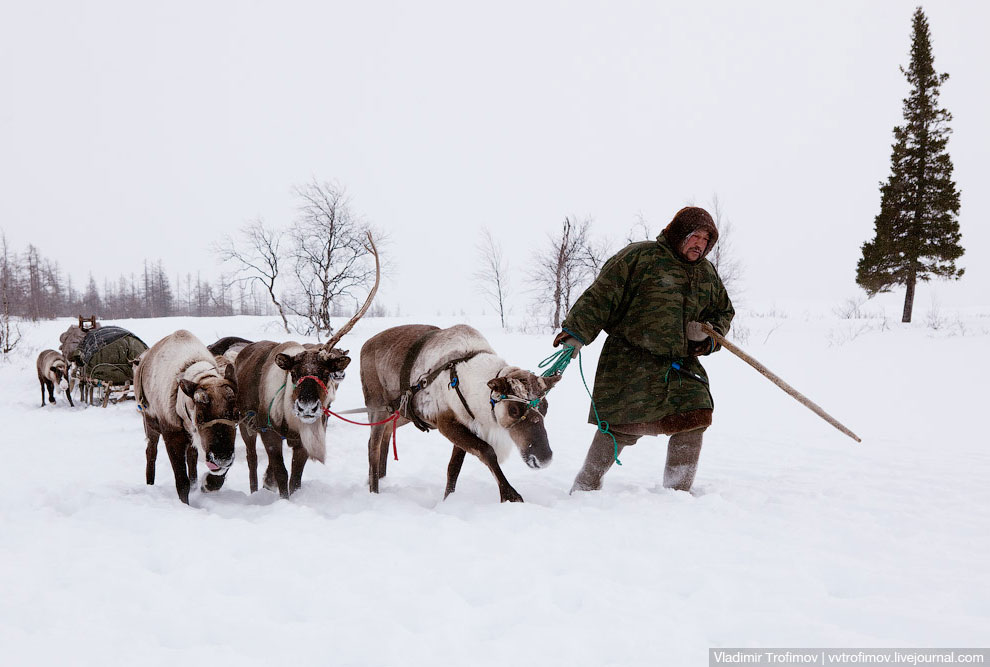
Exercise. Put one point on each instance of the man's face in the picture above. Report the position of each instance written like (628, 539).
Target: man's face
(694, 245)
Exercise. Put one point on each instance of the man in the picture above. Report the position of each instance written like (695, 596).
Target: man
(651, 298)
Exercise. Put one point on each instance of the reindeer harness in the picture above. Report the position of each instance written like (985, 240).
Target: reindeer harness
(410, 390)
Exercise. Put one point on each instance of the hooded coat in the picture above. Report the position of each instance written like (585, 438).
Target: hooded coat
(643, 299)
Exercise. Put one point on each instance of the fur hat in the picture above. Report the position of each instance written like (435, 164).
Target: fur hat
(688, 220)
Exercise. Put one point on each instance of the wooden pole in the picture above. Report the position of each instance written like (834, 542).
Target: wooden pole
(767, 373)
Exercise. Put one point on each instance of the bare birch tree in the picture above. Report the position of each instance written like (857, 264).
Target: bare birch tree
(9, 335)
(328, 249)
(255, 254)
(723, 255)
(492, 277)
(564, 265)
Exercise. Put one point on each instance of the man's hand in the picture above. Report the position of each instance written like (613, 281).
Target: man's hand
(695, 332)
(699, 343)
(564, 338)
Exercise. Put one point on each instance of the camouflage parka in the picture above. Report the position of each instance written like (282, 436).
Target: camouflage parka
(643, 299)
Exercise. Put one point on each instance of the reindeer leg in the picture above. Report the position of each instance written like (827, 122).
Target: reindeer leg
(192, 456)
(276, 465)
(250, 446)
(151, 452)
(377, 451)
(462, 437)
(51, 391)
(299, 458)
(177, 444)
(454, 469)
(42, 393)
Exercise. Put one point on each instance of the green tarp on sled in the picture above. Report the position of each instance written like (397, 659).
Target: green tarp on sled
(106, 354)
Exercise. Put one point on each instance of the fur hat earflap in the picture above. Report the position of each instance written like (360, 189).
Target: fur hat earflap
(688, 220)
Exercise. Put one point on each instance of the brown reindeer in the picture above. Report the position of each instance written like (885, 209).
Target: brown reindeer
(452, 380)
(53, 370)
(287, 388)
(184, 398)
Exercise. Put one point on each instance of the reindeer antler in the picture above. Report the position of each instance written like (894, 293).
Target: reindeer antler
(367, 303)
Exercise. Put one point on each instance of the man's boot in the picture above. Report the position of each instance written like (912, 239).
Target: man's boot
(683, 452)
(601, 456)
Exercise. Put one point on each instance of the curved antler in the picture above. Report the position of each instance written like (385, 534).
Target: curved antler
(367, 303)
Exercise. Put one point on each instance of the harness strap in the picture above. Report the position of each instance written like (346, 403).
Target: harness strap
(455, 383)
(407, 389)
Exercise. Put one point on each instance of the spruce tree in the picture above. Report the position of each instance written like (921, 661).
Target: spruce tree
(917, 229)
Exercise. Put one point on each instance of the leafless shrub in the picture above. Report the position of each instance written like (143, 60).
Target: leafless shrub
(329, 254)
(723, 255)
(566, 264)
(850, 309)
(10, 334)
(935, 320)
(492, 276)
(255, 254)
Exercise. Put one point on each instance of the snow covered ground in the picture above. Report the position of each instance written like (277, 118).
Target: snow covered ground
(793, 536)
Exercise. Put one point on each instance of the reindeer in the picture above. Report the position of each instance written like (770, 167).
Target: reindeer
(288, 387)
(53, 369)
(452, 380)
(184, 398)
(226, 349)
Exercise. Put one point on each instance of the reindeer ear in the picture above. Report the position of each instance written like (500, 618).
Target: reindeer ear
(499, 385)
(188, 387)
(340, 363)
(283, 361)
(550, 382)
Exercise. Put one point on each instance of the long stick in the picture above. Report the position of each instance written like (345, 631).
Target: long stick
(767, 373)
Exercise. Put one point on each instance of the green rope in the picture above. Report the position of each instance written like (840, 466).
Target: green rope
(602, 424)
(557, 361)
(555, 364)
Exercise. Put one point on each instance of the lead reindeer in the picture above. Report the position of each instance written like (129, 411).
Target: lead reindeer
(184, 398)
(288, 388)
(452, 380)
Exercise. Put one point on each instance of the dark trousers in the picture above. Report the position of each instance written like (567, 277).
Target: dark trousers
(683, 452)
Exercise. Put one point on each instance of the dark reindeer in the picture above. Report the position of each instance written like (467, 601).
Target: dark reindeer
(288, 387)
(226, 349)
(452, 380)
(53, 370)
(184, 398)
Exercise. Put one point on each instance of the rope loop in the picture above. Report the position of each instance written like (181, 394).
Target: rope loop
(394, 418)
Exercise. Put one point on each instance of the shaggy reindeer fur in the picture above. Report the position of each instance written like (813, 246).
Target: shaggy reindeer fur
(53, 370)
(267, 373)
(180, 391)
(488, 431)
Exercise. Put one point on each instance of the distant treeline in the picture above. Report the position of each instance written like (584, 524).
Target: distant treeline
(35, 288)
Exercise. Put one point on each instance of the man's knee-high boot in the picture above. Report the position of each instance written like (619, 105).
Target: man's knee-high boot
(683, 452)
(600, 457)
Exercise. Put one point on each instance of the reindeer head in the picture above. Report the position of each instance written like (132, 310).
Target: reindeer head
(61, 375)
(315, 375)
(213, 409)
(519, 404)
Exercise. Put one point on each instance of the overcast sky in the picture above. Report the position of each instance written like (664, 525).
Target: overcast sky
(147, 130)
